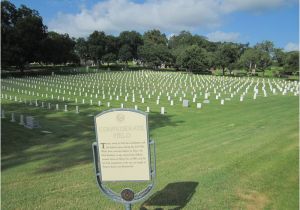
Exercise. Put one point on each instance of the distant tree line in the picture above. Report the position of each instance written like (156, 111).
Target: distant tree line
(25, 39)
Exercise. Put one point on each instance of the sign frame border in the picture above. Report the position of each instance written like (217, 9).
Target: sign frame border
(148, 142)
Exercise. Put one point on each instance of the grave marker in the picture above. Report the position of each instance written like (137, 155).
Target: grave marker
(185, 103)
(31, 122)
(13, 117)
(21, 120)
(162, 110)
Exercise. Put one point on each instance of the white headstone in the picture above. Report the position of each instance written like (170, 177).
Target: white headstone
(148, 109)
(21, 120)
(66, 107)
(206, 101)
(222, 101)
(162, 110)
(31, 122)
(199, 105)
(77, 109)
(206, 96)
(13, 117)
(185, 103)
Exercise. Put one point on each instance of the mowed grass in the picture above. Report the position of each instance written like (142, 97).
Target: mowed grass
(243, 155)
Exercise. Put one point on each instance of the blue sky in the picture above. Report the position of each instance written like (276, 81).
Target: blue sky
(220, 20)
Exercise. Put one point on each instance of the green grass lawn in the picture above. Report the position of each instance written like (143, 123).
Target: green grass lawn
(243, 155)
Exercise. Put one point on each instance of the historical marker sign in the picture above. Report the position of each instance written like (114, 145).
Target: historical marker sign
(123, 145)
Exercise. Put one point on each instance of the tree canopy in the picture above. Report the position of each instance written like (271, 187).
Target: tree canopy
(25, 39)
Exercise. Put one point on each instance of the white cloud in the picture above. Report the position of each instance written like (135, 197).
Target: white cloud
(223, 37)
(172, 16)
(291, 46)
(254, 5)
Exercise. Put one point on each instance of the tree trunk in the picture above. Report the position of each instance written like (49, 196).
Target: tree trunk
(22, 68)
(223, 70)
(98, 65)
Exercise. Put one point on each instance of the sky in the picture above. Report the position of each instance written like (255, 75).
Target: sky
(241, 21)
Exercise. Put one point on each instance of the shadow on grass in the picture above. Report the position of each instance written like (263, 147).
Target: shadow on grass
(173, 196)
(68, 143)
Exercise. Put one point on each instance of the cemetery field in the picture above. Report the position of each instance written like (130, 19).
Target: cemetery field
(234, 147)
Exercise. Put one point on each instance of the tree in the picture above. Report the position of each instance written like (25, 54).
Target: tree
(249, 59)
(129, 40)
(279, 57)
(8, 20)
(96, 45)
(182, 41)
(254, 58)
(109, 58)
(194, 58)
(23, 32)
(155, 37)
(266, 46)
(185, 38)
(111, 49)
(58, 49)
(125, 53)
(292, 62)
(155, 54)
(82, 49)
(266, 52)
(227, 54)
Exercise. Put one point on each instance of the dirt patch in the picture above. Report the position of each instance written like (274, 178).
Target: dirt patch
(251, 200)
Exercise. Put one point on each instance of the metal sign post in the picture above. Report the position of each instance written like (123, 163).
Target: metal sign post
(123, 153)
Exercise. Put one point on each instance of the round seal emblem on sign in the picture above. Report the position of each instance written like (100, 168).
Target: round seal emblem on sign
(120, 117)
(127, 194)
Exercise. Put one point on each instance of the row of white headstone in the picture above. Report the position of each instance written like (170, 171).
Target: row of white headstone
(288, 87)
(29, 122)
(206, 96)
(225, 85)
